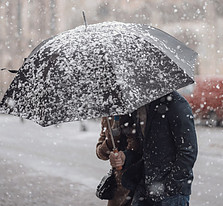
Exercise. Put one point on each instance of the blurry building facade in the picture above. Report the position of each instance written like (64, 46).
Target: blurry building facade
(25, 23)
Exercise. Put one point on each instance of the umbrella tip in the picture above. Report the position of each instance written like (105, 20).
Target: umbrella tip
(9, 70)
(85, 21)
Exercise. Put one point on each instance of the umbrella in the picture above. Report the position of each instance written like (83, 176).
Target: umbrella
(105, 69)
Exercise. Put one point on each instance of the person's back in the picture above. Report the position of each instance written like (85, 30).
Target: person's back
(171, 147)
(169, 152)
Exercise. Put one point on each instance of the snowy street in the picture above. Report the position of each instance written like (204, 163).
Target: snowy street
(57, 166)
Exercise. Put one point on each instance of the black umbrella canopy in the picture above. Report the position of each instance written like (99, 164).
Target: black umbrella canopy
(109, 68)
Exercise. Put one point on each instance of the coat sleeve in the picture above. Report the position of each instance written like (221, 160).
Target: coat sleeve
(182, 127)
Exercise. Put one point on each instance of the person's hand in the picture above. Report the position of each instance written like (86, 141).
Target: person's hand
(117, 159)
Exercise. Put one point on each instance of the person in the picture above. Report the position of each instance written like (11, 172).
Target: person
(168, 153)
(124, 141)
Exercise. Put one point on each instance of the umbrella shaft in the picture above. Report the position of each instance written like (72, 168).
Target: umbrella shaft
(112, 138)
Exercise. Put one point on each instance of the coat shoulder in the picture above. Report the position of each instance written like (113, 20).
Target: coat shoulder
(173, 103)
(176, 100)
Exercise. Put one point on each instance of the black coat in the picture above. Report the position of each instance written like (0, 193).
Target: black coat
(168, 151)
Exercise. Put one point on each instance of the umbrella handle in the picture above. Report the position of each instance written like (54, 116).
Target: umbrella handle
(115, 150)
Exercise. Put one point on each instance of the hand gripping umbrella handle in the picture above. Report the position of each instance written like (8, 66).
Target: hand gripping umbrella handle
(115, 150)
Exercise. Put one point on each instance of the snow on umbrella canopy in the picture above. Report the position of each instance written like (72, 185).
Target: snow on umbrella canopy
(105, 69)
